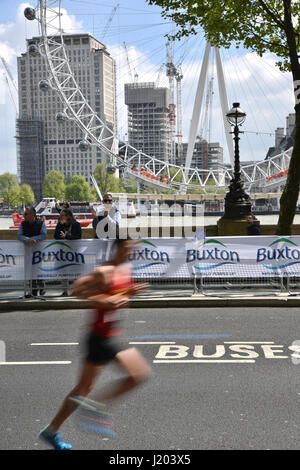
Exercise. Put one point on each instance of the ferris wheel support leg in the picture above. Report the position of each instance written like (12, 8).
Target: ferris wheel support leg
(224, 104)
(197, 108)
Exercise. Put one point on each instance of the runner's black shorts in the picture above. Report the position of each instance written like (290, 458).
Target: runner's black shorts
(100, 350)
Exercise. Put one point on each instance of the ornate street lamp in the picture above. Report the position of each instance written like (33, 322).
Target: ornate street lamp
(237, 202)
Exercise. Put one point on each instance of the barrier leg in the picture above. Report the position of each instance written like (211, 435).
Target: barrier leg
(288, 284)
(283, 284)
(196, 288)
(201, 286)
(30, 287)
(195, 285)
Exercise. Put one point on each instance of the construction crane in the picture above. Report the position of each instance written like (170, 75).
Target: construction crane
(134, 77)
(9, 73)
(179, 77)
(109, 21)
(10, 92)
(171, 73)
(159, 75)
(175, 73)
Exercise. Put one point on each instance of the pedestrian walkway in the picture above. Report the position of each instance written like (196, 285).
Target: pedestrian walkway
(161, 299)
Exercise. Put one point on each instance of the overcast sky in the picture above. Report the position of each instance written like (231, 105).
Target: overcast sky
(265, 94)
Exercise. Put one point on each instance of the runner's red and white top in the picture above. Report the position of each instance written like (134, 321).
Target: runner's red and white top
(106, 322)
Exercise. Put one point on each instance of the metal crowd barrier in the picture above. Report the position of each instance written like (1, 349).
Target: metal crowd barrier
(47, 269)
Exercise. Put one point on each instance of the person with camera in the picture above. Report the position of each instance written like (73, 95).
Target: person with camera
(108, 216)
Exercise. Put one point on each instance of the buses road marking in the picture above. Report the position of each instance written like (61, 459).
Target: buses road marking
(248, 342)
(239, 352)
(189, 361)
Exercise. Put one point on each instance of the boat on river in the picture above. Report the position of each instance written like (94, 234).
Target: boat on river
(17, 219)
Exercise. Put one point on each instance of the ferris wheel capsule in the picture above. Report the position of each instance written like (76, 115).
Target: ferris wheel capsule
(61, 117)
(29, 13)
(33, 50)
(83, 145)
(110, 168)
(44, 85)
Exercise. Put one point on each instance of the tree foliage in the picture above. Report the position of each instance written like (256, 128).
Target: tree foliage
(12, 193)
(9, 189)
(79, 190)
(107, 183)
(26, 195)
(54, 185)
(258, 25)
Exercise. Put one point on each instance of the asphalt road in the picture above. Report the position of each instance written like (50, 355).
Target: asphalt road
(228, 380)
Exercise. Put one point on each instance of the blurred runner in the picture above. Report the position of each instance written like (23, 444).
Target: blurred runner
(109, 288)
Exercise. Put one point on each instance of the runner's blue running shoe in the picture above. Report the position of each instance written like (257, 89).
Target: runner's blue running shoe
(93, 417)
(55, 440)
(89, 404)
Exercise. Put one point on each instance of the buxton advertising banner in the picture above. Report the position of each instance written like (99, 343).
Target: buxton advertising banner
(12, 262)
(245, 256)
(159, 257)
(261, 256)
(251, 257)
(65, 259)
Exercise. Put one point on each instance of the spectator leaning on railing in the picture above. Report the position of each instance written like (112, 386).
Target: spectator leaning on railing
(67, 229)
(31, 231)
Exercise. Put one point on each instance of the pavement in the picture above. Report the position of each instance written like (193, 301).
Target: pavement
(162, 298)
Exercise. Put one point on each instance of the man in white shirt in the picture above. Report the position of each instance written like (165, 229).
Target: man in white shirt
(107, 218)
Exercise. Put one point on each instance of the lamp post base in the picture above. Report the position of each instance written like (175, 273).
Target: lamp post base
(237, 209)
(232, 227)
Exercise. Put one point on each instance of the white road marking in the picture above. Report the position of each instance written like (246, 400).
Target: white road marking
(152, 342)
(34, 363)
(248, 342)
(186, 361)
(53, 344)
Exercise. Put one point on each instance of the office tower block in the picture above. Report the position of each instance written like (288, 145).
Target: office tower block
(94, 71)
(279, 135)
(30, 153)
(206, 155)
(148, 119)
(290, 124)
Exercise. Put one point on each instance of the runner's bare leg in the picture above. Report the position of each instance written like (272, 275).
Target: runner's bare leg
(85, 385)
(132, 361)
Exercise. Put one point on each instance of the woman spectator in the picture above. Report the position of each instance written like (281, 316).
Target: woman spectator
(67, 228)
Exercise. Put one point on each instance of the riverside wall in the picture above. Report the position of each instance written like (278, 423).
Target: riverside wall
(211, 231)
